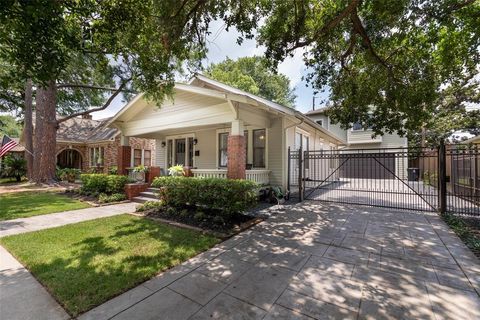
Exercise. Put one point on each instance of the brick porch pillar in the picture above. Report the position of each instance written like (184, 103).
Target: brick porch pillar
(124, 156)
(236, 152)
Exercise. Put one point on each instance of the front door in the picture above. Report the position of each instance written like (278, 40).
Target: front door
(180, 151)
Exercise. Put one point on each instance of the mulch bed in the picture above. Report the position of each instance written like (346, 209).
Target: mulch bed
(207, 222)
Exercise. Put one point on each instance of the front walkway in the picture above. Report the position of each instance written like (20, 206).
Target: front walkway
(22, 225)
(22, 296)
(318, 261)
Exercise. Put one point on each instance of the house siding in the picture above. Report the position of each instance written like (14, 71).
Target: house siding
(207, 145)
(274, 149)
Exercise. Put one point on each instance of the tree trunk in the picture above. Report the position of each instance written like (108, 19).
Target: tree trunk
(45, 135)
(28, 129)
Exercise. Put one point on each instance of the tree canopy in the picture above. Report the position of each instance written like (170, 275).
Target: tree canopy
(252, 74)
(390, 64)
(9, 126)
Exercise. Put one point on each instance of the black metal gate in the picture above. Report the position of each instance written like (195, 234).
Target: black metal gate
(439, 179)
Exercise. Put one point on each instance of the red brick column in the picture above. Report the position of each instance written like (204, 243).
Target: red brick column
(133, 189)
(152, 173)
(123, 159)
(236, 157)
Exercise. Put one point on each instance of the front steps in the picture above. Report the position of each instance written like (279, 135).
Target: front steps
(150, 195)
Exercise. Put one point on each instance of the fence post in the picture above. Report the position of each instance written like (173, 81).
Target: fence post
(442, 178)
(300, 175)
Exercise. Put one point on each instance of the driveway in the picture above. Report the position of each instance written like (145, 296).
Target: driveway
(322, 262)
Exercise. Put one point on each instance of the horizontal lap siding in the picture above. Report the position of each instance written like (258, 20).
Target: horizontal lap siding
(275, 154)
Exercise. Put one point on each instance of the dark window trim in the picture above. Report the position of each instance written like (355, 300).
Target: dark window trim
(264, 148)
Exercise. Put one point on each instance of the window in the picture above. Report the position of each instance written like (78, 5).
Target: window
(357, 126)
(320, 122)
(190, 151)
(222, 149)
(97, 156)
(147, 158)
(259, 138)
(170, 153)
(137, 157)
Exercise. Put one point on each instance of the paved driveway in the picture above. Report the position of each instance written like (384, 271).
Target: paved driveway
(322, 262)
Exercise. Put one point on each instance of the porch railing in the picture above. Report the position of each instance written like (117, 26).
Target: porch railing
(260, 176)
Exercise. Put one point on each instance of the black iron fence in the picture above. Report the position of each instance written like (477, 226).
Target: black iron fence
(440, 179)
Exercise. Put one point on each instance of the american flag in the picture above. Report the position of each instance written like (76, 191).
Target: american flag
(7, 145)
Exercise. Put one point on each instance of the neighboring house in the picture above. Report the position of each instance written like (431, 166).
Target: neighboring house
(91, 146)
(359, 139)
(474, 140)
(219, 131)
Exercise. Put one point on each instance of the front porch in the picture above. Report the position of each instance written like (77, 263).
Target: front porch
(260, 176)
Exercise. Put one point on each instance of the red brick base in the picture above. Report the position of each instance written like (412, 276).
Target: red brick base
(133, 189)
(152, 173)
(124, 158)
(236, 157)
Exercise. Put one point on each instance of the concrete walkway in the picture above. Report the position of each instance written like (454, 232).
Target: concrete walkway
(21, 296)
(318, 262)
(52, 220)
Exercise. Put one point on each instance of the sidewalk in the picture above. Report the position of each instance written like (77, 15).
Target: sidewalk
(21, 296)
(46, 221)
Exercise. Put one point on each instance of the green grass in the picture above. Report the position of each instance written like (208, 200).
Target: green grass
(87, 263)
(27, 204)
(10, 180)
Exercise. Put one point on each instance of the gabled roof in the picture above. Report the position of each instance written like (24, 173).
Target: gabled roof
(475, 139)
(222, 91)
(85, 130)
(270, 104)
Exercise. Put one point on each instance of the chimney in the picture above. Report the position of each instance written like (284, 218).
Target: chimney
(87, 116)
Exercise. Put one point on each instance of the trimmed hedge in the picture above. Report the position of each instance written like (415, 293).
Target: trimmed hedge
(96, 183)
(226, 195)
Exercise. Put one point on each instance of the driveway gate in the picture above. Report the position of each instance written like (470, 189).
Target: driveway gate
(439, 179)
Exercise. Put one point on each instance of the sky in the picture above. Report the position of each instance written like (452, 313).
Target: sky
(222, 44)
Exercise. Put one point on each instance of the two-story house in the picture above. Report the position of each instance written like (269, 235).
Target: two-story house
(361, 140)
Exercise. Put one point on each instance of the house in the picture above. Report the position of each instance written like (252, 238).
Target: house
(359, 139)
(473, 140)
(215, 130)
(88, 145)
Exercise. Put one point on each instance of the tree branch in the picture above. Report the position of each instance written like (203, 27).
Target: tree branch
(326, 28)
(105, 105)
(88, 86)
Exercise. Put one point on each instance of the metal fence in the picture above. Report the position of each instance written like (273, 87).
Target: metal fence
(440, 179)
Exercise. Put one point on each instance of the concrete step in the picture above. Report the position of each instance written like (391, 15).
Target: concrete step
(153, 189)
(143, 199)
(148, 194)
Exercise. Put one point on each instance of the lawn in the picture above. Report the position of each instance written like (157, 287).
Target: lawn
(87, 263)
(27, 204)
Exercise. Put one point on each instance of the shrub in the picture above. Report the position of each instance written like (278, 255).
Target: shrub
(113, 170)
(68, 174)
(150, 205)
(105, 198)
(176, 171)
(224, 195)
(102, 183)
(15, 167)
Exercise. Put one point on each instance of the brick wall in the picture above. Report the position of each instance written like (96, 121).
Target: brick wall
(236, 157)
(133, 189)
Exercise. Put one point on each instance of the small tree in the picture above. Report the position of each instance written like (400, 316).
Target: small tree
(15, 167)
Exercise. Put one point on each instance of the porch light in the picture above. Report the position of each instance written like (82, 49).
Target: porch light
(195, 141)
(164, 144)
(261, 137)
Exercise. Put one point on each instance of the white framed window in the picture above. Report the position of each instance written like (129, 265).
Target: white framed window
(259, 144)
(96, 156)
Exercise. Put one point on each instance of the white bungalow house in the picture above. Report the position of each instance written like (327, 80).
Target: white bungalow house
(220, 131)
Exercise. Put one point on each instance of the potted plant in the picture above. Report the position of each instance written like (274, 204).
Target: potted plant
(176, 171)
(140, 173)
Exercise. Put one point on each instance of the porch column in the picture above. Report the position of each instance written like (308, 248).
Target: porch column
(124, 155)
(236, 151)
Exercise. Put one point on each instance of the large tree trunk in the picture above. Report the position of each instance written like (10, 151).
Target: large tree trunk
(28, 129)
(45, 135)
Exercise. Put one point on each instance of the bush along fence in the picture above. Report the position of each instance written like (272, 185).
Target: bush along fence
(222, 196)
(105, 187)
